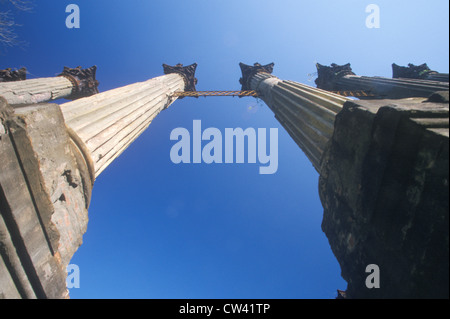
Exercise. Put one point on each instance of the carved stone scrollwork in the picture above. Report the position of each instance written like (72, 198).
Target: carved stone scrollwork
(187, 72)
(83, 80)
(411, 71)
(9, 75)
(328, 75)
(249, 71)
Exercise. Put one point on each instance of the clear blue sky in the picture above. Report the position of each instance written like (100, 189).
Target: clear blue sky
(160, 230)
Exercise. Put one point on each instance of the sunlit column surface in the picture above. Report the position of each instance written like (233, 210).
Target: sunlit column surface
(107, 123)
(71, 84)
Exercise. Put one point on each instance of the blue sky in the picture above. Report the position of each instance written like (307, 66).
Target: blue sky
(161, 230)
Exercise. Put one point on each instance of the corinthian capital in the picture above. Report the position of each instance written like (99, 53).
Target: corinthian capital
(411, 71)
(328, 75)
(83, 80)
(187, 72)
(9, 75)
(248, 71)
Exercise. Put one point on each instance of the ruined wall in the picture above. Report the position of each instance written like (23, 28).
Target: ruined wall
(45, 187)
(384, 189)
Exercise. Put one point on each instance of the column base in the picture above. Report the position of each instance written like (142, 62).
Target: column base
(45, 188)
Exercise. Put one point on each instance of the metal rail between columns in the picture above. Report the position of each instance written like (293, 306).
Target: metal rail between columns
(214, 93)
(359, 93)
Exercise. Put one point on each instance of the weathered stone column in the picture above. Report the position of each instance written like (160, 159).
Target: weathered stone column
(49, 157)
(305, 112)
(418, 72)
(108, 122)
(383, 181)
(70, 84)
(341, 78)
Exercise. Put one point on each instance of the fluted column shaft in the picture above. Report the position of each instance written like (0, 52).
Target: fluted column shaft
(305, 112)
(107, 123)
(72, 83)
(440, 77)
(341, 78)
(390, 88)
(36, 90)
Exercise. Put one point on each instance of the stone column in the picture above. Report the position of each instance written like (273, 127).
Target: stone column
(341, 78)
(305, 112)
(50, 155)
(70, 84)
(107, 123)
(418, 72)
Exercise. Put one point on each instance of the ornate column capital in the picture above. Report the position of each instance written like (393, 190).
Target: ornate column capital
(328, 75)
(83, 80)
(411, 71)
(249, 71)
(9, 75)
(187, 72)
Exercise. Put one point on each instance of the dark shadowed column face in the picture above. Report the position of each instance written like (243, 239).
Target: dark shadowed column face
(384, 189)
